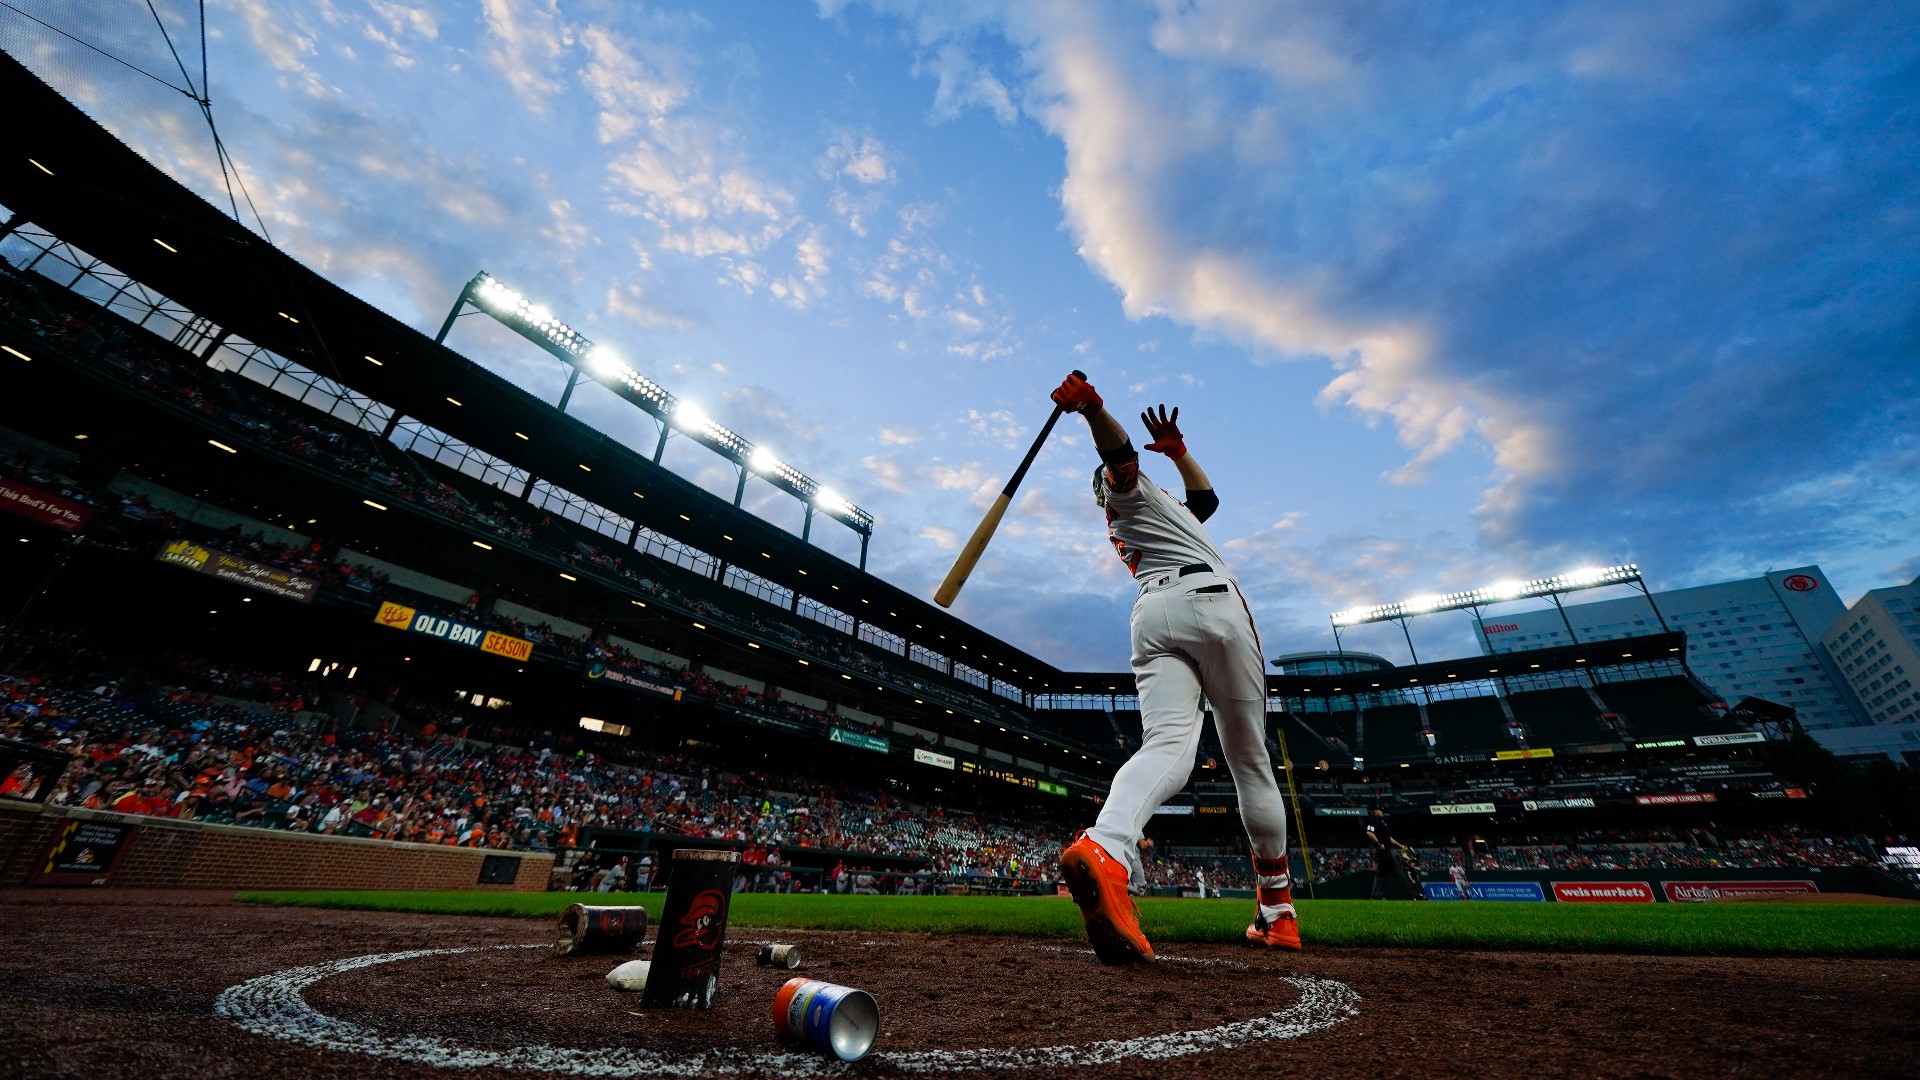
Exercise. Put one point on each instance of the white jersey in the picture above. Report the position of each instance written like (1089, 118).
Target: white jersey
(1151, 530)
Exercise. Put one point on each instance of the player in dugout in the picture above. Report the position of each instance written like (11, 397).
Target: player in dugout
(1193, 635)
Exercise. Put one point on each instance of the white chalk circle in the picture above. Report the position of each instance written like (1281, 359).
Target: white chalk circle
(271, 1005)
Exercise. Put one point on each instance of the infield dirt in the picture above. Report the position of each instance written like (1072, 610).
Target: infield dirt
(124, 984)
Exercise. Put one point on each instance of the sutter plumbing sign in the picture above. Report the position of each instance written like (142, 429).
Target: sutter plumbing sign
(239, 571)
(402, 617)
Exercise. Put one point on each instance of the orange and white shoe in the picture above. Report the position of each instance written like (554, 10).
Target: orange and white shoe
(1098, 883)
(1280, 933)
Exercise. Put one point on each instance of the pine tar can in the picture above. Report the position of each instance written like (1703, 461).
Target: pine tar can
(585, 930)
(837, 1020)
(780, 956)
(693, 927)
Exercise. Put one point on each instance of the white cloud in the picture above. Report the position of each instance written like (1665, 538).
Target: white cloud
(529, 38)
(864, 160)
(888, 473)
(633, 96)
(963, 84)
(629, 302)
(999, 425)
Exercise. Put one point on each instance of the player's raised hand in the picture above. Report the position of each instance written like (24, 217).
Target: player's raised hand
(1165, 430)
(1076, 394)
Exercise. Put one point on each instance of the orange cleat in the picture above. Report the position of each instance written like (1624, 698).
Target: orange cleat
(1098, 883)
(1281, 933)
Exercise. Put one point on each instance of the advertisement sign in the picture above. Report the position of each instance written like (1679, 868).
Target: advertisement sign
(1558, 804)
(83, 853)
(1459, 759)
(1521, 755)
(1785, 793)
(1526, 891)
(1603, 892)
(1340, 811)
(938, 761)
(1729, 740)
(1052, 788)
(876, 743)
(397, 616)
(1661, 744)
(1174, 809)
(402, 617)
(1683, 798)
(1461, 808)
(44, 507)
(506, 645)
(1599, 748)
(599, 671)
(1699, 892)
(239, 571)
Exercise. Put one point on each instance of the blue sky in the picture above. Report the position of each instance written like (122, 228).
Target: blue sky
(1446, 296)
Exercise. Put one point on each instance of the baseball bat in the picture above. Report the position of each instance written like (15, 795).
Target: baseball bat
(983, 532)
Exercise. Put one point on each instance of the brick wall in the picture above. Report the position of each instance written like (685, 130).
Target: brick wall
(191, 855)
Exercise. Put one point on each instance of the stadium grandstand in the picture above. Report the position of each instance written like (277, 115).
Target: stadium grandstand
(282, 560)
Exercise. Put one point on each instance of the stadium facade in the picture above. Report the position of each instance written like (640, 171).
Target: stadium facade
(1755, 637)
(1876, 646)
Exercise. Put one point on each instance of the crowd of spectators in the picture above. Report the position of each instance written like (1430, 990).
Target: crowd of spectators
(23, 468)
(1704, 850)
(180, 750)
(222, 743)
(1737, 776)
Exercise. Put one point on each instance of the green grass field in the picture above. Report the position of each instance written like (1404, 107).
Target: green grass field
(1745, 929)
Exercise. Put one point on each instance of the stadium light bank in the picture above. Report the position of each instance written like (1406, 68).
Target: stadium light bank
(1550, 587)
(536, 323)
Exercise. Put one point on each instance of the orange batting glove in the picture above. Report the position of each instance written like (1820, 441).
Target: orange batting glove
(1165, 430)
(1076, 394)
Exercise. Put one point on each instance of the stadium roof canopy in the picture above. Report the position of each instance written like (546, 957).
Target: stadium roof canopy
(71, 176)
(1623, 652)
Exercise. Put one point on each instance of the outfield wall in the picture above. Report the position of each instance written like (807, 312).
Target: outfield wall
(1636, 886)
(132, 851)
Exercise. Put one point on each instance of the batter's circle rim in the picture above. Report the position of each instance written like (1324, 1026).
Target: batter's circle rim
(272, 1005)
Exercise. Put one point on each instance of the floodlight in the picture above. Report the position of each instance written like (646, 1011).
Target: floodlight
(1505, 590)
(830, 501)
(604, 363)
(538, 324)
(1584, 578)
(689, 417)
(500, 296)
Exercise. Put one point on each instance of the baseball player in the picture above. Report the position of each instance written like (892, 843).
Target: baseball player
(1193, 635)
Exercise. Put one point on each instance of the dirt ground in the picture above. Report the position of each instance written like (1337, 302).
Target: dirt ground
(121, 983)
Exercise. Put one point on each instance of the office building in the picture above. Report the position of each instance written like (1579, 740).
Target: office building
(1759, 637)
(1876, 646)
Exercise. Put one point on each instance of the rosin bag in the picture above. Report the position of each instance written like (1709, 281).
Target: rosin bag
(693, 927)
